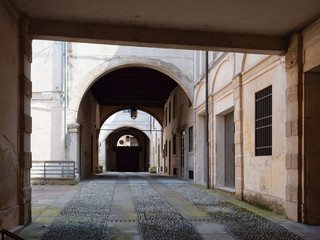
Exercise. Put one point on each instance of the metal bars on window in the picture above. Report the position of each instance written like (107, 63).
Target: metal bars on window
(263, 121)
(174, 144)
(190, 139)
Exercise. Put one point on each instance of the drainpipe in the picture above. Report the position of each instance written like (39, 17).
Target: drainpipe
(206, 132)
(62, 75)
(65, 96)
(150, 124)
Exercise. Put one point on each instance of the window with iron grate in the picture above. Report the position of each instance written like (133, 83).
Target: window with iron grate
(263, 121)
(174, 144)
(190, 139)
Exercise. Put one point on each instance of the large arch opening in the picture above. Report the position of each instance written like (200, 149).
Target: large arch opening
(127, 150)
(127, 144)
(125, 88)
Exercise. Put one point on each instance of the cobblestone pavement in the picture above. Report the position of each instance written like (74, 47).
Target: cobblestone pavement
(148, 206)
(85, 216)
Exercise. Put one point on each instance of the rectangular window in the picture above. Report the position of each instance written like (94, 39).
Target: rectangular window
(165, 117)
(190, 174)
(156, 141)
(174, 107)
(263, 120)
(174, 142)
(166, 148)
(190, 139)
(169, 111)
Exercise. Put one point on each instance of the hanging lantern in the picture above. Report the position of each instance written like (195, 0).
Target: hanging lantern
(134, 113)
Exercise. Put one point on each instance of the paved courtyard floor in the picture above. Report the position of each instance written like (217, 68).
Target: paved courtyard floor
(148, 206)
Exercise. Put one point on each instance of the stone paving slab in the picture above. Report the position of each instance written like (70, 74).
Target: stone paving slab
(199, 219)
(47, 203)
(123, 231)
(218, 237)
(157, 218)
(209, 228)
(122, 207)
(122, 222)
(243, 224)
(307, 232)
(184, 207)
(161, 208)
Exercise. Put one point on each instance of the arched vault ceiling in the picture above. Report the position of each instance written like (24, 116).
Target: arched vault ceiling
(246, 25)
(133, 86)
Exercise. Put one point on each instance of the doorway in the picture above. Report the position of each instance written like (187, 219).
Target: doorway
(225, 152)
(182, 154)
(127, 159)
(229, 151)
(311, 163)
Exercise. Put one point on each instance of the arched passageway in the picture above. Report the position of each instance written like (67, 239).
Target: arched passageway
(124, 88)
(127, 150)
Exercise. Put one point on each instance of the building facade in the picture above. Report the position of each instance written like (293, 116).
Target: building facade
(250, 154)
(289, 29)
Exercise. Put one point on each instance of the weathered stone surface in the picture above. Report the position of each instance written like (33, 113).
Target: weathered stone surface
(292, 160)
(8, 173)
(292, 94)
(27, 159)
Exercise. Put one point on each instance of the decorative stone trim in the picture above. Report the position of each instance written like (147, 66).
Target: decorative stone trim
(292, 94)
(293, 127)
(238, 136)
(292, 160)
(27, 160)
(26, 86)
(292, 194)
(73, 127)
(25, 53)
(26, 123)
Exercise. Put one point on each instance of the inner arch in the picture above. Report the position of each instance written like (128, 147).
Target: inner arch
(133, 86)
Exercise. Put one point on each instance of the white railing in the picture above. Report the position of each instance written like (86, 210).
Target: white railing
(53, 169)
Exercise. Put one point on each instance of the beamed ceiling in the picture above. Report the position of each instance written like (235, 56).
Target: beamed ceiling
(133, 87)
(261, 26)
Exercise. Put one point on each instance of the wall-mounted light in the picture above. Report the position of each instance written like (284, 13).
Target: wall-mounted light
(134, 113)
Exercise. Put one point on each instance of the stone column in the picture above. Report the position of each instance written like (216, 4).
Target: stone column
(25, 120)
(74, 147)
(293, 126)
(238, 136)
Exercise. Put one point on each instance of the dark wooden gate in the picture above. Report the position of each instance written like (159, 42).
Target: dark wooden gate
(127, 159)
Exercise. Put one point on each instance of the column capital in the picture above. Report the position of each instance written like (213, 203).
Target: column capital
(73, 127)
(237, 80)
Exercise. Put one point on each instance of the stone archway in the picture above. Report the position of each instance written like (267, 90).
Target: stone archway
(113, 151)
(117, 63)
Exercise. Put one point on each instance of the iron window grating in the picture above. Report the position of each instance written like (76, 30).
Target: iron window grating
(190, 139)
(263, 122)
(174, 144)
(165, 117)
(166, 148)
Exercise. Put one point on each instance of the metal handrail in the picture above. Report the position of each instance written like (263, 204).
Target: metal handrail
(53, 169)
(9, 234)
